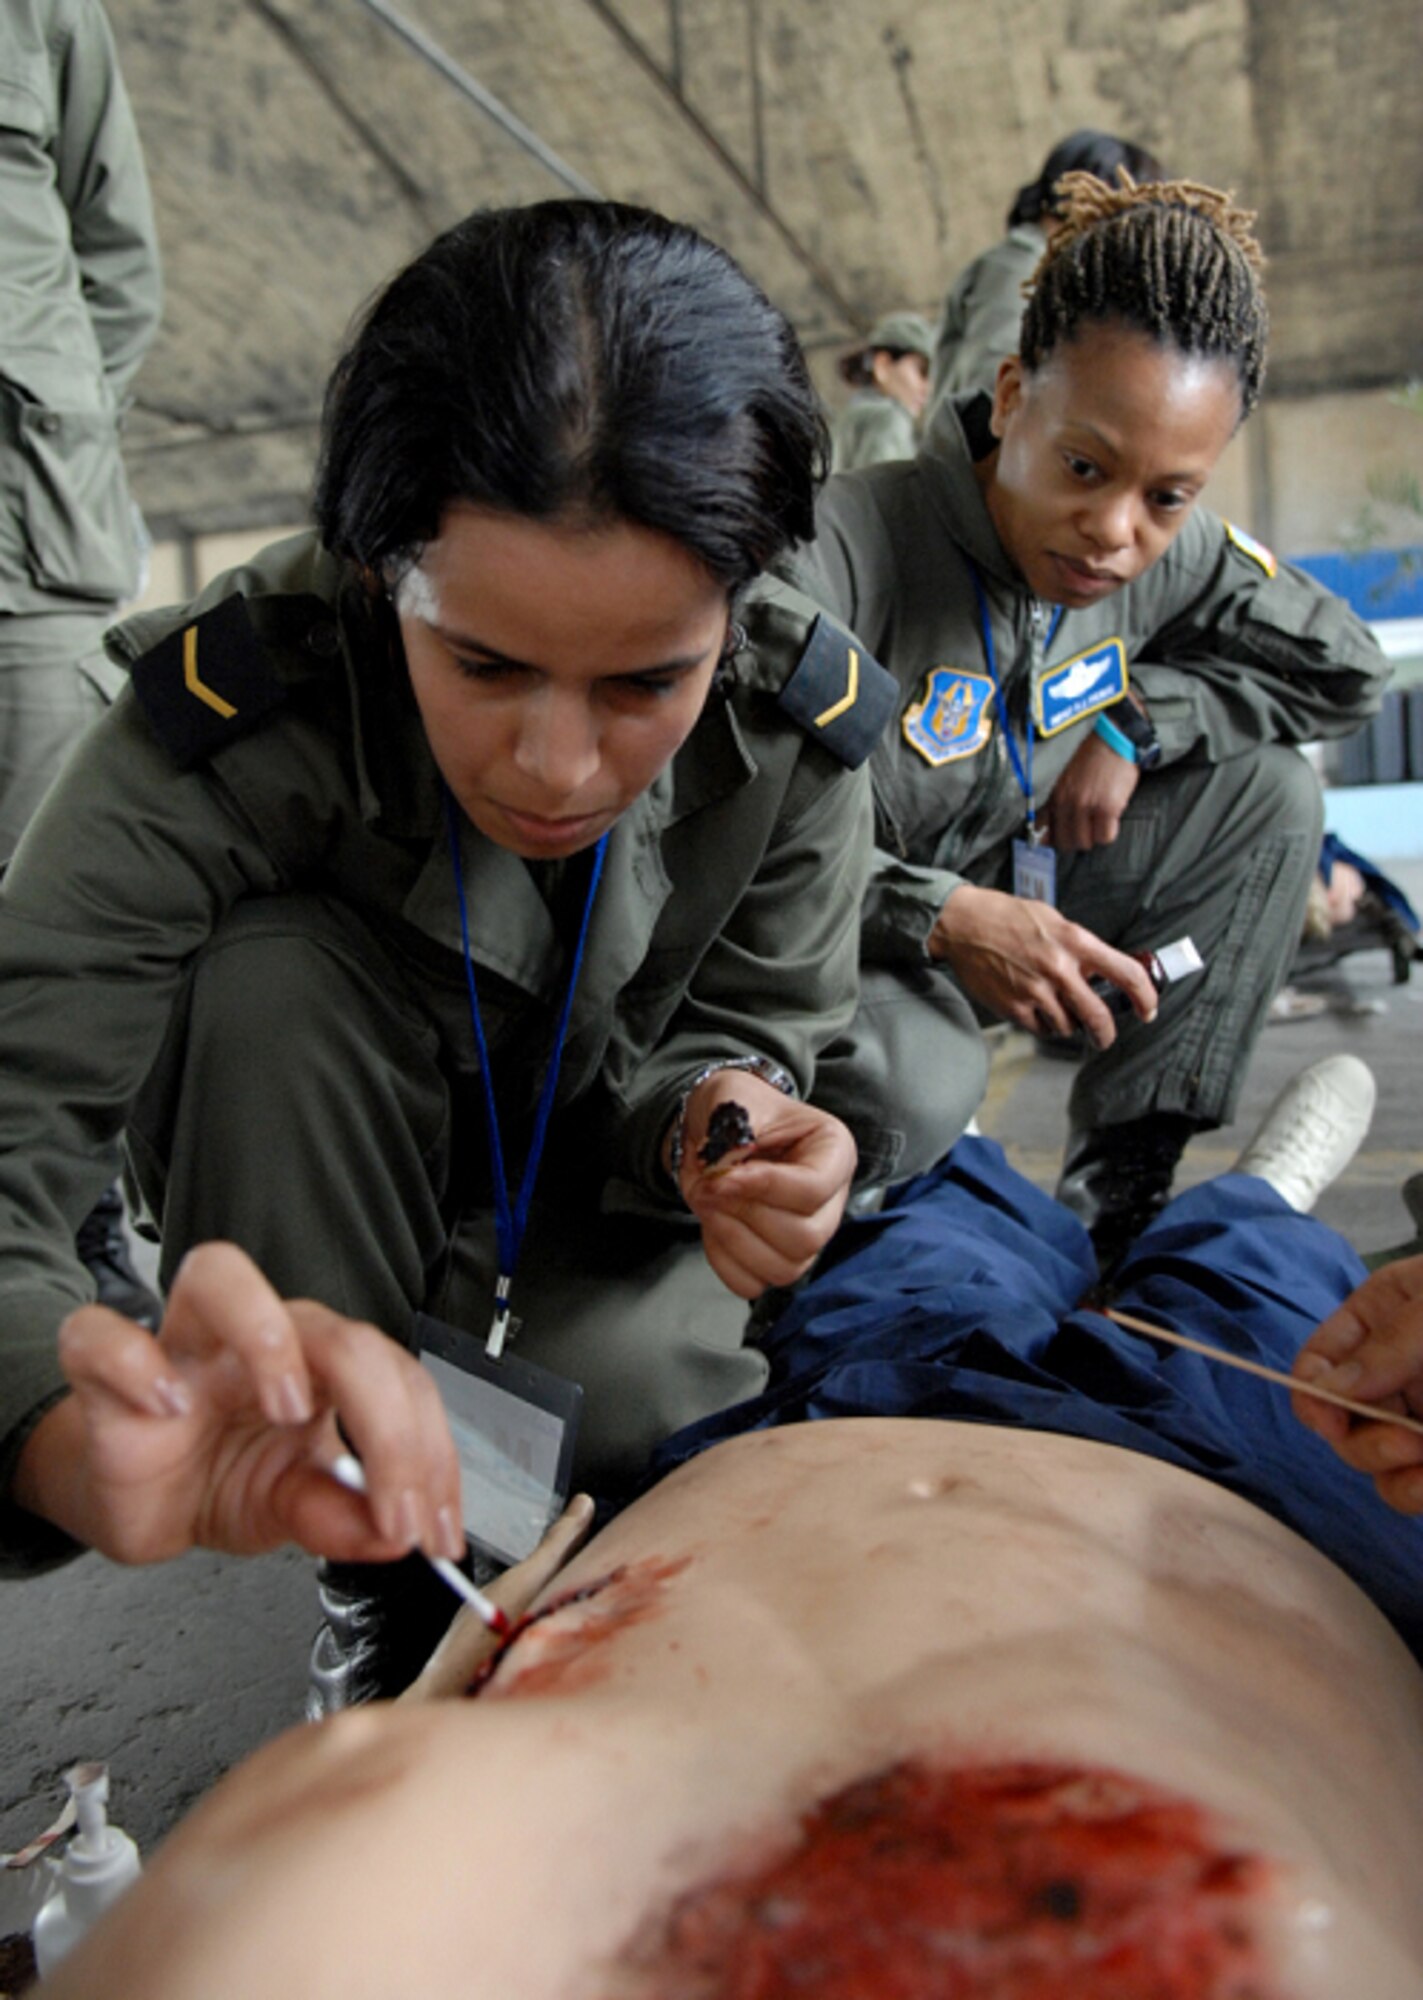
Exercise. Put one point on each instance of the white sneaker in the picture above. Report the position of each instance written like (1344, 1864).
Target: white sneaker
(1312, 1130)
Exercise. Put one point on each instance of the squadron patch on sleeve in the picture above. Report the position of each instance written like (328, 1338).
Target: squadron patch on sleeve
(207, 683)
(839, 693)
(1248, 546)
(953, 717)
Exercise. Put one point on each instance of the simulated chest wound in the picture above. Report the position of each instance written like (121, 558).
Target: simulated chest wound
(966, 1885)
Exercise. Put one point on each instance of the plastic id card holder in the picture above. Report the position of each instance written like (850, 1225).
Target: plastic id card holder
(1035, 873)
(514, 1426)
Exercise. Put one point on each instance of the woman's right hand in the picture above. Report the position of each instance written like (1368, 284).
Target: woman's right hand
(768, 1211)
(217, 1432)
(1371, 1349)
(1025, 962)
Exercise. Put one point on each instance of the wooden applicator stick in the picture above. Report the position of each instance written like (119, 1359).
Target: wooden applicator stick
(1291, 1382)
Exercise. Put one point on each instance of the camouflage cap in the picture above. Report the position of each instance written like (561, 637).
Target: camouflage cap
(905, 332)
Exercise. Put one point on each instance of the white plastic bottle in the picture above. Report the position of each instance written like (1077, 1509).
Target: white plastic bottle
(99, 1864)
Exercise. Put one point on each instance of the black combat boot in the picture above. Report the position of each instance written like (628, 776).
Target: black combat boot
(1116, 1178)
(103, 1248)
(381, 1623)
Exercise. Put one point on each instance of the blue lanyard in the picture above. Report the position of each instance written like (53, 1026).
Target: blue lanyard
(511, 1219)
(1022, 766)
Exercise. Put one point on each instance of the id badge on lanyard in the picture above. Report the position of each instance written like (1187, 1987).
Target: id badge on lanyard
(1035, 869)
(514, 1425)
(1034, 861)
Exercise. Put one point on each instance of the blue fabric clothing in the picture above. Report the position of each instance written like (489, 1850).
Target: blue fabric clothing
(959, 1300)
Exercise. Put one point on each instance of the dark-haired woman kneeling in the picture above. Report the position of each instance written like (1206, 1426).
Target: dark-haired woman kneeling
(301, 924)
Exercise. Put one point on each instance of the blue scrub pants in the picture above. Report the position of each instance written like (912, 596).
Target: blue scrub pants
(959, 1300)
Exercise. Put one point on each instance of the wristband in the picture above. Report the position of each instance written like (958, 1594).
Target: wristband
(1125, 723)
(1114, 739)
(762, 1066)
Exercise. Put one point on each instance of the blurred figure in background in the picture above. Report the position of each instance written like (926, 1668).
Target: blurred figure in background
(80, 300)
(984, 308)
(890, 377)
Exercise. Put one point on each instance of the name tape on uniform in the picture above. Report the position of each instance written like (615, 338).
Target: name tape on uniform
(1082, 685)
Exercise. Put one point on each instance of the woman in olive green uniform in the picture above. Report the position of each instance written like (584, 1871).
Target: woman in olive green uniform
(474, 830)
(1100, 685)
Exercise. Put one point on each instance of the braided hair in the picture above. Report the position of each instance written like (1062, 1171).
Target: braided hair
(1175, 260)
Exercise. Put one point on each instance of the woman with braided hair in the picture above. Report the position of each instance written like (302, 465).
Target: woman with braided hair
(1101, 685)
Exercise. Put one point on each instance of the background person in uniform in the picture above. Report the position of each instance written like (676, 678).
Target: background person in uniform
(1013, 1700)
(236, 931)
(978, 328)
(1100, 687)
(890, 378)
(80, 298)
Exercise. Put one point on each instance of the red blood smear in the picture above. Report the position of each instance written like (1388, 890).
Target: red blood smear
(627, 1596)
(1005, 1883)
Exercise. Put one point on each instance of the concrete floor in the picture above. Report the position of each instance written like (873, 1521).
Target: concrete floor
(173, 1674)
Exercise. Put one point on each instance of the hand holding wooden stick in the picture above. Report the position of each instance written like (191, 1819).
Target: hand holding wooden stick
(1297, 1385)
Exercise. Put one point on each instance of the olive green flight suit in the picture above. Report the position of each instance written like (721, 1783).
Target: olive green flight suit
(80, 298)
(871, 428)
(1219, 842)
(231, 935)
(982, 315)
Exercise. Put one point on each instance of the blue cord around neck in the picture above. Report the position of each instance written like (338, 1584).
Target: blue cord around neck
(511, 1218)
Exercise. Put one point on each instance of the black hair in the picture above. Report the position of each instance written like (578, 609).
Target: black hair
(1089, 152)
(1177, 261)
(572, 359)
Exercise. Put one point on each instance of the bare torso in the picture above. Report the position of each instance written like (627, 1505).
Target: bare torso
(790, 1614)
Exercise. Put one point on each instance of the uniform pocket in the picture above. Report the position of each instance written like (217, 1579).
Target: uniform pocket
(75, 503)
(26, 89)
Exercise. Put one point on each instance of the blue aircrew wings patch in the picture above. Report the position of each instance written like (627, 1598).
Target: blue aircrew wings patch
(1082, 685)
(1248, 546)
(839, 693)
(207, 683)
(953, 717)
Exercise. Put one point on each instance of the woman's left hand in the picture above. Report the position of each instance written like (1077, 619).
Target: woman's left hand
(1085, 806)
(766, 1212)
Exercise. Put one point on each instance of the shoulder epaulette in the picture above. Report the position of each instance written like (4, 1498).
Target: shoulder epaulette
(208, 683)
(839, 693)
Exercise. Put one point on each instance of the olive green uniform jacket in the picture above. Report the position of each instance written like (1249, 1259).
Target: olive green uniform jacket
(79, 303)
(270, 749)
(1220, 841)
(871, 428)
(80, 297)
(983, 314)
(1226, 656)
